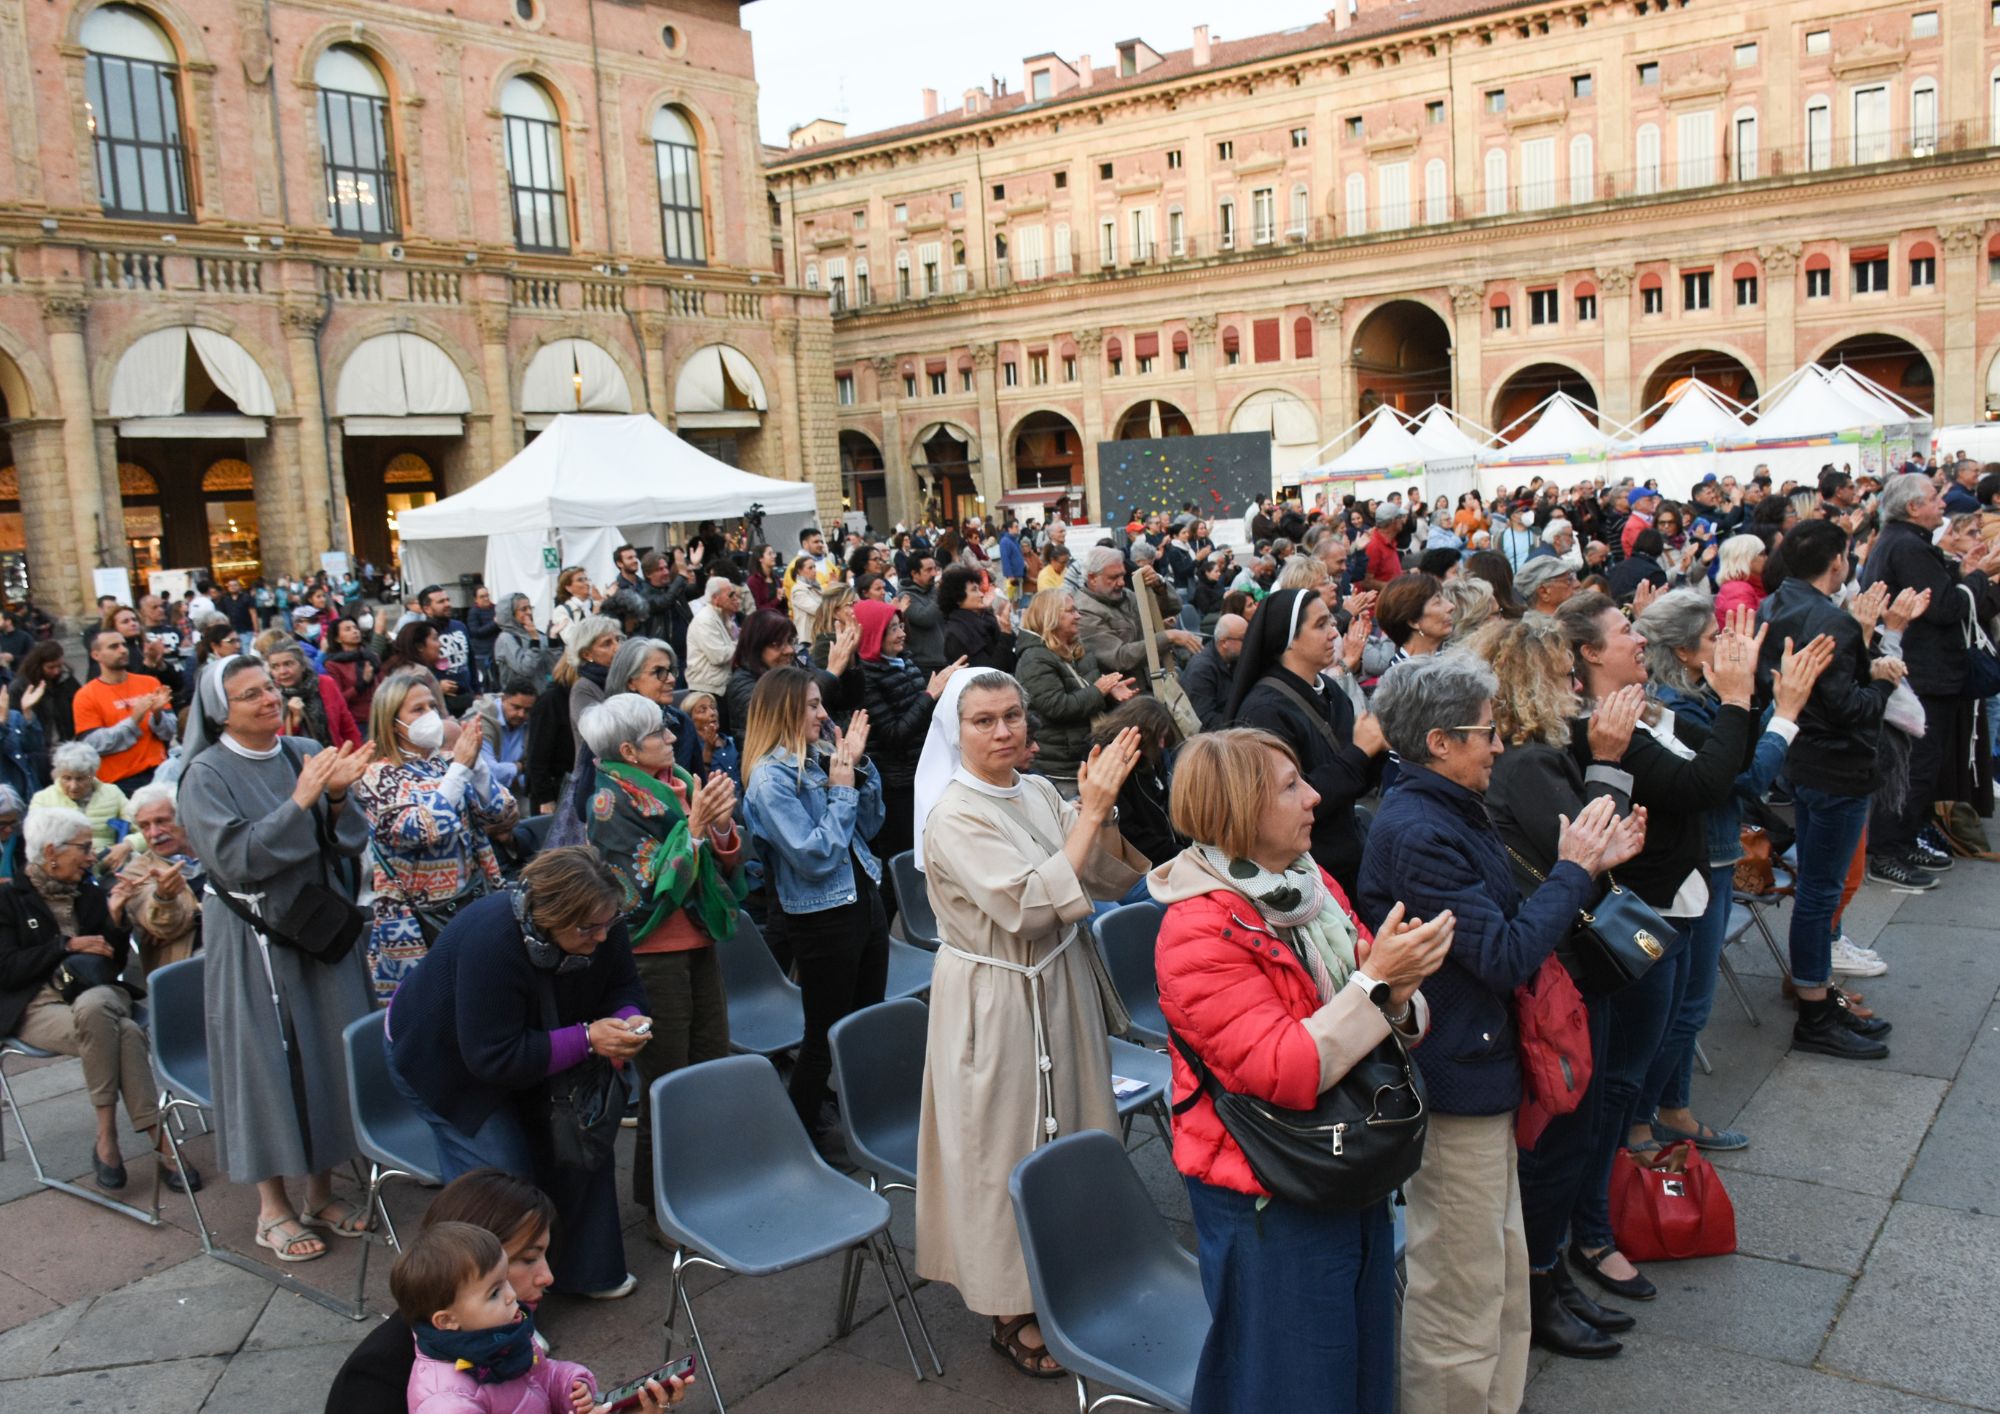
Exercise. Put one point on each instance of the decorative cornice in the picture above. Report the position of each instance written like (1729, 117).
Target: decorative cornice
(1961, 238)
(65, 312)
(1781, 258)
(1615, 279)
(885, 370)
(1536, 112)
(1258, 164)
(1695, 85)
(826, 240)
(1201, 329)
(1326, 313)
(1393, 138)
(1090, 342)
(984, 356)
(1138, 186)
(301, 319)
(1867, 54)
(1466, 298)
(1022, 206)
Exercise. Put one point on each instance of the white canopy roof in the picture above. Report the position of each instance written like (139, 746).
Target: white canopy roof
(1811, 407)
(574, 375)
(391, 379)
(1870, 397)
(1565, 429)
(150, 381)
(1438, 430)
(1696, 416)
(599, 471)
(1385, 447)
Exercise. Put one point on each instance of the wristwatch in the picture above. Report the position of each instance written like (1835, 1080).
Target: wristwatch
(1378, 991)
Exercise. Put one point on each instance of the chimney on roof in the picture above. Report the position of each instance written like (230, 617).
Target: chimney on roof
(930, 102)
(1200, 45)
(1085, 75)
(1342, 14)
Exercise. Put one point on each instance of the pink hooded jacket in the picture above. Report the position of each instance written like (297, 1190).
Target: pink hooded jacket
(439, 1387)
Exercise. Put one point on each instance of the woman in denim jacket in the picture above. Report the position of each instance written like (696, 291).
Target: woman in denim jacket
(812, 801)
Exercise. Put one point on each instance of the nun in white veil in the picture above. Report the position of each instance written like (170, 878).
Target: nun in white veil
(1020, 1003)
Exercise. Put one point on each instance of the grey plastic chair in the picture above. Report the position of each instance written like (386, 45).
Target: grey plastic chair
(737, 1184)
(12, 1046)
(396, 1142)
(1157, 1072)
(1190, 619)
(766, 1012)
(910, 970)
(1126, 937)
(878, 1072)
(913, 902)
(1117, 1297)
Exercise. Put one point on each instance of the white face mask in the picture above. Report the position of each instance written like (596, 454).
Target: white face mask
(366, 623)
(426, 734)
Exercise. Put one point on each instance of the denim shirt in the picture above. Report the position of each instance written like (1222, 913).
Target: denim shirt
(1725, 822)
(809, 834)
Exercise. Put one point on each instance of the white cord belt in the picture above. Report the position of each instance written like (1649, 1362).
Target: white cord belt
(1045, 1094)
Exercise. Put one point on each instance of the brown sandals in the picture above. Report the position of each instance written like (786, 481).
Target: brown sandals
(1022, 1356)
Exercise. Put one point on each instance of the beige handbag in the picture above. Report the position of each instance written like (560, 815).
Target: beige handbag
(1166, 680)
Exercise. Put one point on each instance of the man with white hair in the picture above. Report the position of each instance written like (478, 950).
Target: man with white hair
(1110, 615)
(711, 637)
(1545, 582)
(1385, 561)
(157, 895)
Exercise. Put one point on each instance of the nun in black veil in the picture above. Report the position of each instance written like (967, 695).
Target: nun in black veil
(1282, 687)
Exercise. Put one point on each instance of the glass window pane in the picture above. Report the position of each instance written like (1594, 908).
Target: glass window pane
(127, 193)
(146, 86)
(333, 120)
(116, 118)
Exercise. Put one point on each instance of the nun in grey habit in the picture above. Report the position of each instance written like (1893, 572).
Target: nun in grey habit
(275, 1015)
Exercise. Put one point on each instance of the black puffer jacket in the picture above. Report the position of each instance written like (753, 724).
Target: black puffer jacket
(1838, 747)
(899, 716)
(973, 635)
(1062, 700)
(1933, 644)
(31, 941)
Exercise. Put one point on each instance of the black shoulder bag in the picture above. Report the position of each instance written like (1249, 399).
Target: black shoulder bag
(582, 1106)
(1617, 941)
(1356, 1146)
(323, 922)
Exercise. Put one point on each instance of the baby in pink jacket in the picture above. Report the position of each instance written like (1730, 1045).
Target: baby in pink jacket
(476, 1350)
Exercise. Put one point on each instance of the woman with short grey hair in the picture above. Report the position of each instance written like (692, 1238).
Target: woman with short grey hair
(1434, 850)
(522, 650)
(77, 786)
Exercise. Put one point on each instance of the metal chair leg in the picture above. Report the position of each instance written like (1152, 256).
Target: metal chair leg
(1162, 1121)
(895, 1307)
(1757, 907)
(681, 1298)
(1701, 1059)
(850, 1293)
(1736, 990)
(911, 1292)
(10, 1105)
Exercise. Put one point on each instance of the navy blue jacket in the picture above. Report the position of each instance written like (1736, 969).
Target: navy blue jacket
(468, 1029)
(1430, 848)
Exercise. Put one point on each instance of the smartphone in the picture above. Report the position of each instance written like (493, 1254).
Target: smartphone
(626, 1397)
(642, 1027)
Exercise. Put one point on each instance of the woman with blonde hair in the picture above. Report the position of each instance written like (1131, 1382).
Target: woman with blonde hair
(834, 616)
(574, 602)
(1739, 574)
(1472, 605)
(429, 812)
(1065, 684)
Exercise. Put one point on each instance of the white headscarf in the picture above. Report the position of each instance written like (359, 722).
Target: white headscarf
(941, 755)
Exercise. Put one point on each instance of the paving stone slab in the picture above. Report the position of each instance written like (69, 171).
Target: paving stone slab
(1770, 1309)
(198, 1308)
(70, 1250)
(290, 1321)
(24, 1348)
(1806, 1224)
(1659, 1373)
(834, 1379)
(20, 1303)
(1963, 898)
(1923, 1316)
(173, 1387)
(32, 1081)
(978, 1373)
(1940, 984)
(1842, 1123)
(263, 1381)
(1955, 1168)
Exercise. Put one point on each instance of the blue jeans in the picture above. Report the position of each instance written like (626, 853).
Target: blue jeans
(1829, 831)
(1552, 1173)
(500, 1142)
(1303, 1306)
(1670, 1080)
(1636, 1019)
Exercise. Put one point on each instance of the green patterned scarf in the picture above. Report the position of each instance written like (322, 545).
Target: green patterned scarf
(665, 873)
(1297, 900)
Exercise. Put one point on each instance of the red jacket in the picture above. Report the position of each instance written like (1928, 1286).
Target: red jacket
(339, 721)
(1236, 995)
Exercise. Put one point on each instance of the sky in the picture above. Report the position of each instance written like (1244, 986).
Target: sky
(867, 63)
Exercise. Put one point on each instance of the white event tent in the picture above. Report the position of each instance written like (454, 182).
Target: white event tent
(587, 484)
(1681, 448)
(1563, 444)
(1806, 422)
(1453, 451)
(1384, 454)
(1906, 428)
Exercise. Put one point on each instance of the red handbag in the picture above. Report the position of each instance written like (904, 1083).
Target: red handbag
(1554, 1041)
(1672, 1208)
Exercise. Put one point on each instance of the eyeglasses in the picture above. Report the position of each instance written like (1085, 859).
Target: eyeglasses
(659, 674)
(1489, 728)
(256, 694)
(986, 726)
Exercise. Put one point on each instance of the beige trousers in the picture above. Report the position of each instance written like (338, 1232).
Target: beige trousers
(98, 1026)
(1465, 1316)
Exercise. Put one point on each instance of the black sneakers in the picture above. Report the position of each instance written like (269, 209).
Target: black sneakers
(1899, 873)
(1825, 1028)
(1928, 853)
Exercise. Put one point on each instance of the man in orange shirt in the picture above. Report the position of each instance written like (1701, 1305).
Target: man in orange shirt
(117, 698)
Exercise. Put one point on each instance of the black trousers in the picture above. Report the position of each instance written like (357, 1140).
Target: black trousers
(841, 956)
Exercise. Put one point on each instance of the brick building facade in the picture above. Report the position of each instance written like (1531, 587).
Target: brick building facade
(1406, 201)
(270, 272)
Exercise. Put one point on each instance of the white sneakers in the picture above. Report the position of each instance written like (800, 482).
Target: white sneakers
(1851, 960)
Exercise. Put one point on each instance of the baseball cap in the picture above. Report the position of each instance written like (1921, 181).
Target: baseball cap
(1640, 493)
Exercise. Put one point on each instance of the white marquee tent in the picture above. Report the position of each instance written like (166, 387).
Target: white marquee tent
(1681, 448)
(1454, 451)
(1387, 453)
(1806, 422)
(1563, 444)
(586, 485)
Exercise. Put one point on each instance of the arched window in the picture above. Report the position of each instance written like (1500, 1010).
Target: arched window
(1357, 203)
(132, 80)
(902, 274)
(1302, 337)
(540, 197)
(1496, 182)
(861, 296)
(1646, 161)
(679, 161)
(812, 275)
(1582, 170)
(354, 144)
(1437, 193)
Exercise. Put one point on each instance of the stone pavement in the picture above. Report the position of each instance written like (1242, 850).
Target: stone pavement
(1868, 1209)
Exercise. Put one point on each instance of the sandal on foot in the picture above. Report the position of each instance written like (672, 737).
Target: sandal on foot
(1720, 1141)
(1022, 1356)
(286, 1249)
(351, 1221)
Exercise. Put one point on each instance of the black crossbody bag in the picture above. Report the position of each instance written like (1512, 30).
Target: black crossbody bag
(323, 922)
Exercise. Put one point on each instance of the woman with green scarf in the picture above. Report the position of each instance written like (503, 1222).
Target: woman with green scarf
(1266, 975)
(673, 844)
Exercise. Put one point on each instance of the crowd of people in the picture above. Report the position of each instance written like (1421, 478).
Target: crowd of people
(1374, 763)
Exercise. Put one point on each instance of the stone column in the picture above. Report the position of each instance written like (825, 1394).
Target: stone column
(779, 448)
(321, 485)
(818, 422)
(57, 545)
(1090, 353)
(1336, 371)
(1780, 291)
(995, 464)
(1958, 390)
(503, 440)
(653, 329)
(1468, 373)
(82, 469)
(1614, 315)
(1201, 358)
(905, 504)
(283, 524)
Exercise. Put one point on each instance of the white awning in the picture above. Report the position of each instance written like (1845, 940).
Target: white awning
(574, 375)
(718, 379)
(1284, 415)
(151, 378)
(399, 376)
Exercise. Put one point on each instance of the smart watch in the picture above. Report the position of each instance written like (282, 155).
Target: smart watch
(1378, 991)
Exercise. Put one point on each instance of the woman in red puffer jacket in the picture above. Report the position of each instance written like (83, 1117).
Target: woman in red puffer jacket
(1266, 975)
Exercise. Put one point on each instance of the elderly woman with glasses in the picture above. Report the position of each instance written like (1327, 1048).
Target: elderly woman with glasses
(521, 988)
(78, 787)
(672, 842)
(1433, 849)
(61, 952)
